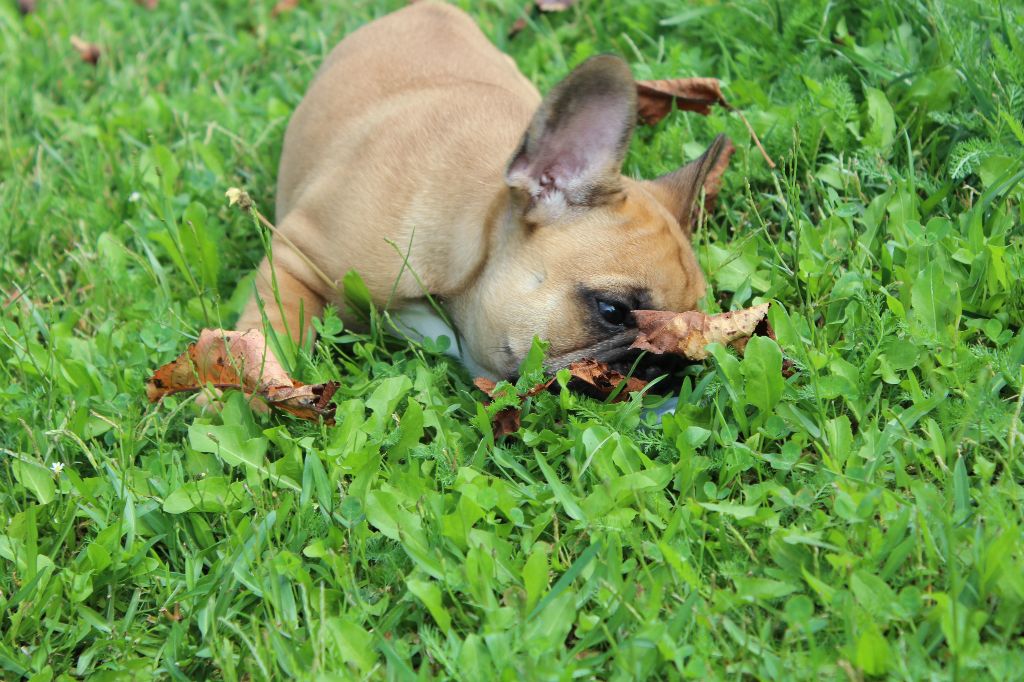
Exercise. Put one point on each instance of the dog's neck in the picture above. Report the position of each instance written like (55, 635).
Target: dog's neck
(501, 236)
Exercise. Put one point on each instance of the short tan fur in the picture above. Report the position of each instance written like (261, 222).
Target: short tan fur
(418, 131)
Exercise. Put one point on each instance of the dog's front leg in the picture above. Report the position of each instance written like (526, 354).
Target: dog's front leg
(289, 303)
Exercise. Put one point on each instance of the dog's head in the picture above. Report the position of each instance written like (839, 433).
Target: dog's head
(579, 246)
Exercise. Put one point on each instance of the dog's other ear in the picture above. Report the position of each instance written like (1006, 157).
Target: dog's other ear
(571, 155)
(679, 190)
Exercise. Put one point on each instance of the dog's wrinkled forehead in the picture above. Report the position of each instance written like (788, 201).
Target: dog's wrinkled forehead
(632, 249)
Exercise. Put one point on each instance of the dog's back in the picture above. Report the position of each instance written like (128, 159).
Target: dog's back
(404, 122)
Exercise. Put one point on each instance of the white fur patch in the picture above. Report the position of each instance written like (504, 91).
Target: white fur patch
(421, 321)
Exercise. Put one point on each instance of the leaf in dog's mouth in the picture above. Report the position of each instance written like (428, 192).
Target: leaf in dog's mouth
(241, 361)
(660, 332)
(688, 334)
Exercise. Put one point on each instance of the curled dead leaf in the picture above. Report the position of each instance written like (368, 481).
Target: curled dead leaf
(689, 333)
(89, 52)
(654, 99)
(489, 387)
(486, 385)
(506, 421)
(241, 361)
(598, 380)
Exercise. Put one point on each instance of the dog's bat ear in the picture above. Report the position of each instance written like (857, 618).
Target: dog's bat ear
(679, 190)
(571, 154)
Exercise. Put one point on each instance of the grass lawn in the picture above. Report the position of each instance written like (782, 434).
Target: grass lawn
(861, 518)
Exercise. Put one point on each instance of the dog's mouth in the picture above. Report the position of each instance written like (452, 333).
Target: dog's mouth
(617, 354)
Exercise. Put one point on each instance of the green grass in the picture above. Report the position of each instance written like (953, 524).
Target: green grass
(862, 518)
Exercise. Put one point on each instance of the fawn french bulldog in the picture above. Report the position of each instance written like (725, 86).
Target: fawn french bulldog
(421, 158)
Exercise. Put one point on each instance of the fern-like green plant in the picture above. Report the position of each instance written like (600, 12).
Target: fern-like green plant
(968, 155)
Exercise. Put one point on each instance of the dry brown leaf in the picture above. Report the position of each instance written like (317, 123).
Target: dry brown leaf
(654, 99)
(284, 6)
(486, 385)
(26, 6)
(539, 388)
(688, 333)
(588, 376)
(506, 421)
(241, 361)
(89, 52)
(598, 380)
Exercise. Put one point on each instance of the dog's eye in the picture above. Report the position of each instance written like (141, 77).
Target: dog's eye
(613, 312)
